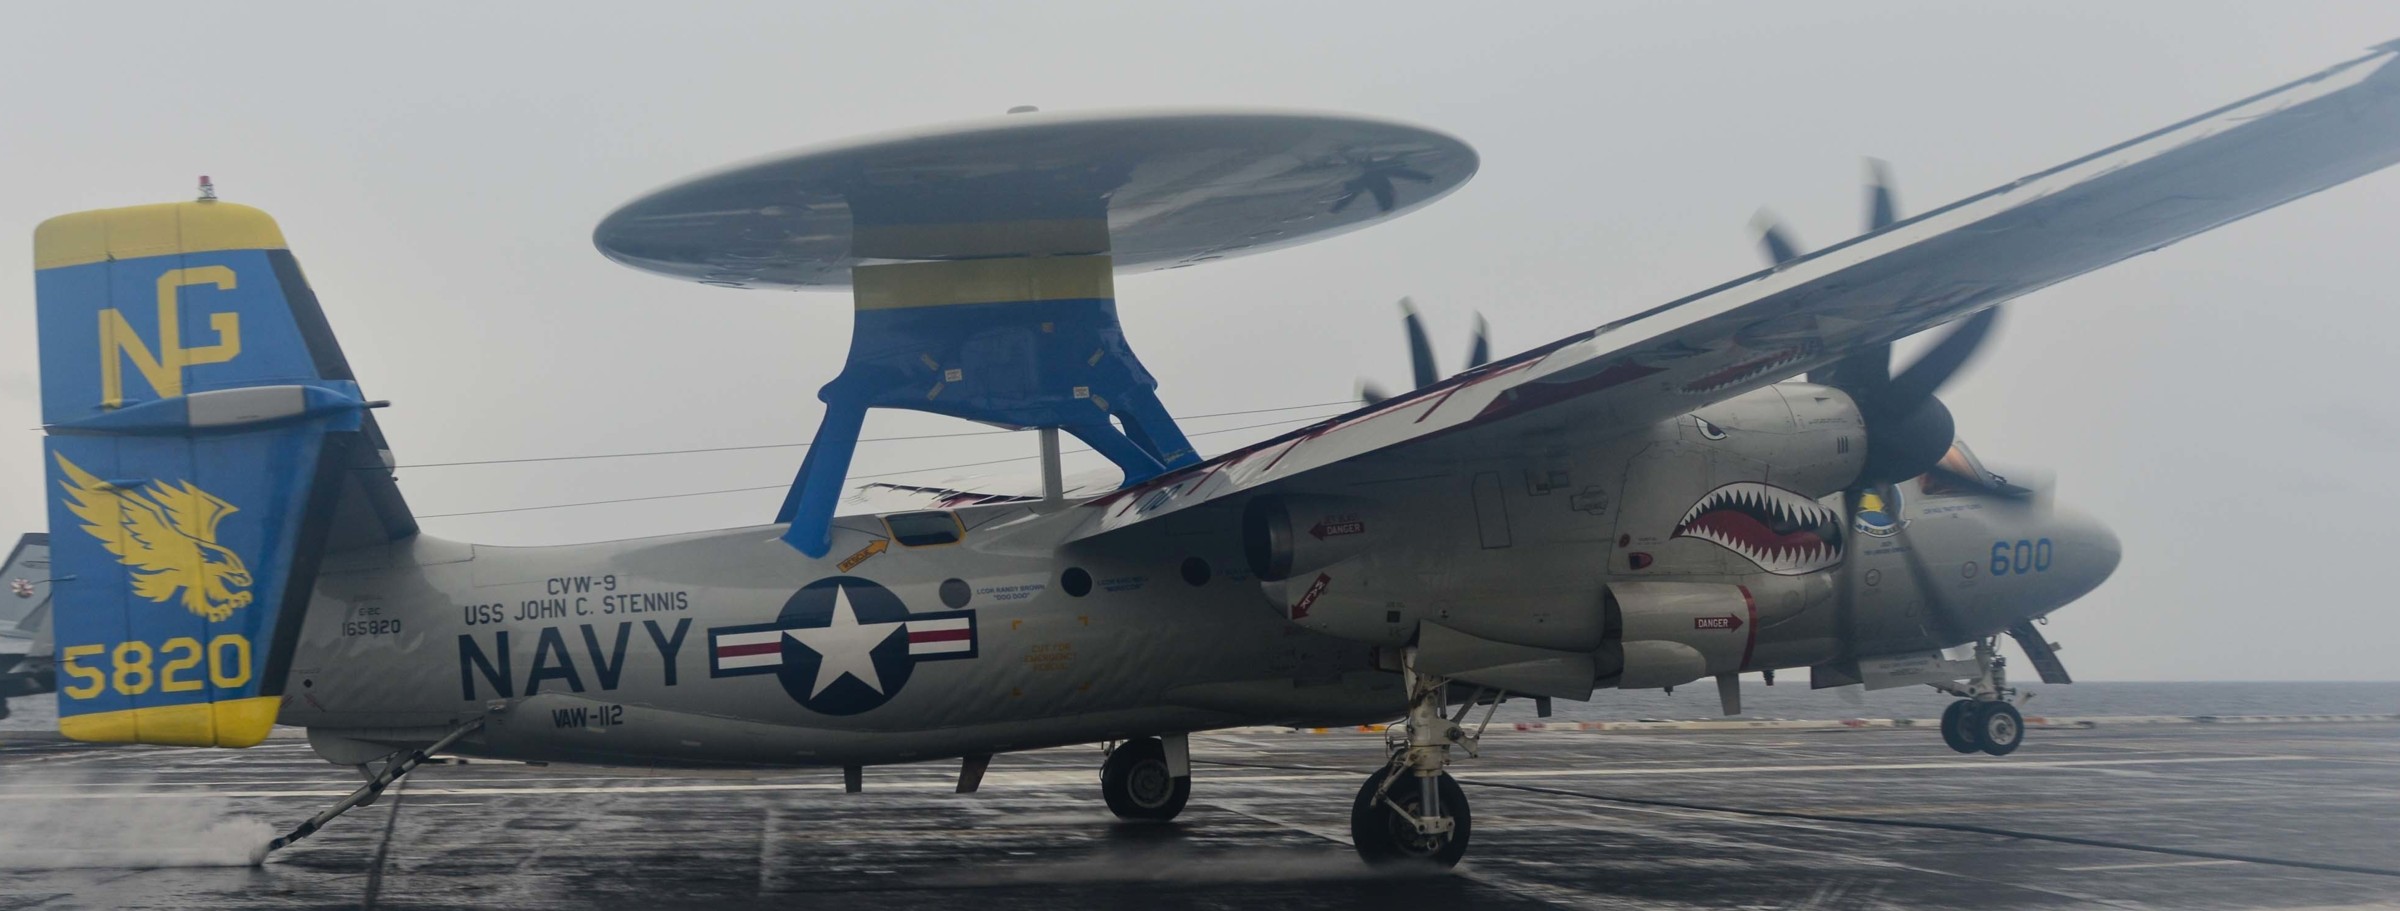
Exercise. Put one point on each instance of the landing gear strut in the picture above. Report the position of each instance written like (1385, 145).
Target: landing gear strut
(1982, 719)
(1411, 810)
(1139, 783)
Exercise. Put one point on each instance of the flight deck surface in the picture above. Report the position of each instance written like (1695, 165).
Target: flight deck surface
(1268, 827)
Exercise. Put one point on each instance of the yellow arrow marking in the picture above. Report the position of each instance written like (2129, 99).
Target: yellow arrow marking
(864, 554)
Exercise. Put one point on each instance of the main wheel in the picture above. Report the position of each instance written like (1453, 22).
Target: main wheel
(1999, 729)
(1137, 785)
(1954, 726)
(1386, 837)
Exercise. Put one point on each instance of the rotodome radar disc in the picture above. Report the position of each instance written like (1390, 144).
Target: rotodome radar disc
(1153, 189)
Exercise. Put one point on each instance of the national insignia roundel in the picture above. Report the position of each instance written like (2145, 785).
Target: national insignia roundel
(842, 645)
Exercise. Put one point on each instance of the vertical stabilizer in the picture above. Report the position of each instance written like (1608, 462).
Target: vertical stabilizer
(202, 425)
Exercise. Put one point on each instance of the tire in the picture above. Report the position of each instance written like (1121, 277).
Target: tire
(1954, 727)
(1386, 838)
(1136, 785)
(1999, 729)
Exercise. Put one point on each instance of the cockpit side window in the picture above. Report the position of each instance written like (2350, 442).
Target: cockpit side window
(1962, 462)
(925, 529)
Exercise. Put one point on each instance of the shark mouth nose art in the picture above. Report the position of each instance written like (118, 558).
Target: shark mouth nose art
(1783, 532)
(1748, 370)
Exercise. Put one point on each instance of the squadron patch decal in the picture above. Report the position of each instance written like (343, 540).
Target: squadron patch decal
(166, 535)
(842, 645)
(1876, 516)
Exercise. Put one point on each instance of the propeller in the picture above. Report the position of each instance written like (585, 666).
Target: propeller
(1908, 428)
(1773, 239)
(1420, 353)
(1910, 432)
(1375, 179)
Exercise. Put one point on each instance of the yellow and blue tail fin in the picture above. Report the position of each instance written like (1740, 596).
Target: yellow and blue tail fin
(202, 426)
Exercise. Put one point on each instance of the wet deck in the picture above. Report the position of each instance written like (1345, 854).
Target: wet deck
(1267, 827)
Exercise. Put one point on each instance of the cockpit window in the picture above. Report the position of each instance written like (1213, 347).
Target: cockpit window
(921, 529)
(1962, 462)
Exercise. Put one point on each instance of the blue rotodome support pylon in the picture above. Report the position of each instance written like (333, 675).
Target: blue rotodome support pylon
(943, 337)
(981, 255)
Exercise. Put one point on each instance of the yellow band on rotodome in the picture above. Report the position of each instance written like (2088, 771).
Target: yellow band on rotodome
(894, 286)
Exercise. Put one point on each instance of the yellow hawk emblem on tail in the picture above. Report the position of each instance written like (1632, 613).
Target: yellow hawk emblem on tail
(167, 535)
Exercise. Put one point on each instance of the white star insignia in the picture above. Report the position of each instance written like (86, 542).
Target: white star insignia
(845, 646)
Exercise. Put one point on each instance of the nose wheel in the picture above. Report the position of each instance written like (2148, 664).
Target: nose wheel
(1970, 726)
(1983, 721)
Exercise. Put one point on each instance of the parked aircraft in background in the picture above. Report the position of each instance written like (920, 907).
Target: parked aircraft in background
(25, 621)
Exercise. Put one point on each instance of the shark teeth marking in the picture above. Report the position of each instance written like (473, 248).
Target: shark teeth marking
(1782, 531)
(1747, 370)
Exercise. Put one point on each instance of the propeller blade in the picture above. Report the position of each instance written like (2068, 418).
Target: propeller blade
(1882, 210)
(1867, 371)
(1381, 186)
(1945, 618)
(1420, 349)
(1862, 373)
(2039, 651)
(1923, 378)
(1371, 393)
(1774, 239)
(1409, 174)
(1481, 353)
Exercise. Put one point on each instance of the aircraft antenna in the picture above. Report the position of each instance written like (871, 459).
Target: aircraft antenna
(981, 258)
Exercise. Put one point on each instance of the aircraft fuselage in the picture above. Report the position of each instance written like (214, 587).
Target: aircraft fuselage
(730, 647)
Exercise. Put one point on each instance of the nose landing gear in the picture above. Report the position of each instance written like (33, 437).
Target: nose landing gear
(1969, 726)
(1982, 720)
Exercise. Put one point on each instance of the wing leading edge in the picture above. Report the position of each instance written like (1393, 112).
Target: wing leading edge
(2131, 198)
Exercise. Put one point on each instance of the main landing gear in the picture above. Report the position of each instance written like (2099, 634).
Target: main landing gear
(1140, 782)
(1411, 811)
(1982, 719)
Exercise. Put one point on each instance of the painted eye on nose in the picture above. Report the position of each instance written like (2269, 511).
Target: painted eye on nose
(1709, 431)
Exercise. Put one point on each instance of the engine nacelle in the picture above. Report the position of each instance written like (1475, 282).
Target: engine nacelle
(1291, 535)
(1813, 435)
(1664, 634)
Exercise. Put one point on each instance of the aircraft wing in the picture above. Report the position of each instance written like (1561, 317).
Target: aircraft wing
(2119, 202)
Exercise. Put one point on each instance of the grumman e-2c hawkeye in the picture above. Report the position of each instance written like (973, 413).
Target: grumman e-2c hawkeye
(1643, 505)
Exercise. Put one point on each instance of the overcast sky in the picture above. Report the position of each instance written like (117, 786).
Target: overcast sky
(2225, 404)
